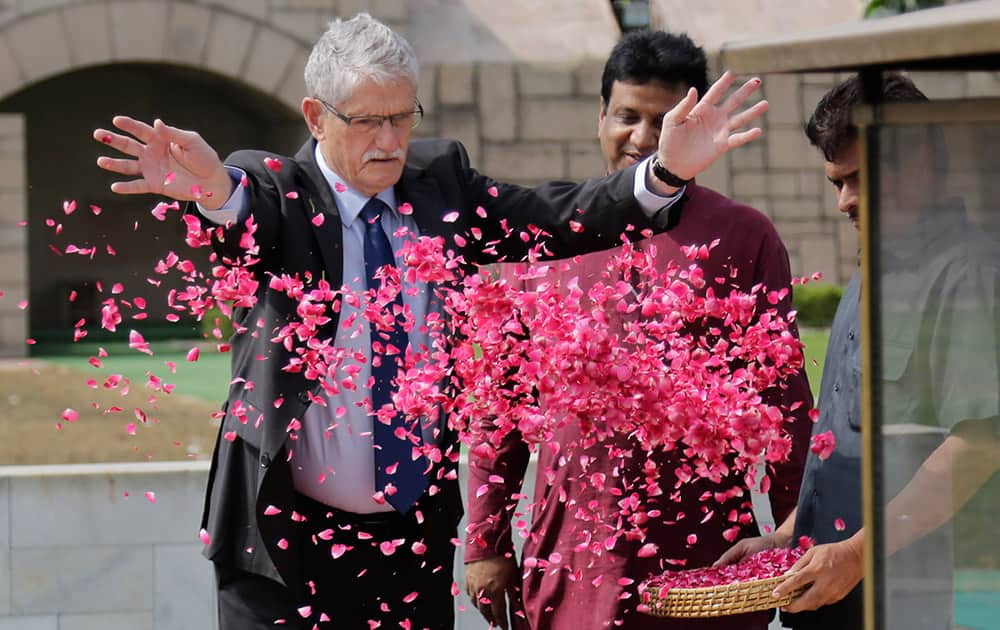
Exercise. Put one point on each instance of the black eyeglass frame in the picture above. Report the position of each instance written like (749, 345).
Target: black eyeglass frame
(418, 115)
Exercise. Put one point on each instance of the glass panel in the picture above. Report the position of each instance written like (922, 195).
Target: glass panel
(936, 254)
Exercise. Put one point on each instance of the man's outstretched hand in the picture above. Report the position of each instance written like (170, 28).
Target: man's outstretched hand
(695, 132)
(167, 161)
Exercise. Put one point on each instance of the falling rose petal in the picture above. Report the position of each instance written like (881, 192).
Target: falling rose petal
(814, 414)
(273, 163)
(731, 534)
(305, 611)
(692, 539)
(839, 525)
(326, 534)
(117, 288)
(69, 207)
(492, 191)
(388, 547)
(150, 496)
(339, 187)
(70, 415)
(405, 208)
(823, 444)
(23, 304)
(291, 194)
(283, 544)
(337, 550)
(205, 538)
(229, 436)
(481, 490)
(193, 354)
(318, 219)
(817, 276)
(648, 550)
(169, 179)
(130, 428)
(418, 548)
(450, 217)
(459, 240)
(271, 511)
(409, 598)
(96, 210)
(576, 226)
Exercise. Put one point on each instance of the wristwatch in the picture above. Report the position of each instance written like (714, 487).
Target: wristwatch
(661, 173)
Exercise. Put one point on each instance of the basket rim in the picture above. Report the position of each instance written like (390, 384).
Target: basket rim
(722, 587)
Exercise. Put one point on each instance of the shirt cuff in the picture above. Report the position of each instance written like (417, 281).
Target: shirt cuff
(652, 204)
(232, 210)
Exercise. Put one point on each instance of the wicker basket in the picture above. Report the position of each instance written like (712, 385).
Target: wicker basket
(717, 601)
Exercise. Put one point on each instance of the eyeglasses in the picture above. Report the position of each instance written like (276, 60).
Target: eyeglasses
(370, 123)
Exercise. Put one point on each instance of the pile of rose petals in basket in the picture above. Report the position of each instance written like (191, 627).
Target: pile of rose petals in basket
(763, 565)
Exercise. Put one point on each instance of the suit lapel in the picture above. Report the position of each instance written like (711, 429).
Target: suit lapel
(319, 201)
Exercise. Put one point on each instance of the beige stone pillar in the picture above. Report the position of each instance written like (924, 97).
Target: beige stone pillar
(13, 238)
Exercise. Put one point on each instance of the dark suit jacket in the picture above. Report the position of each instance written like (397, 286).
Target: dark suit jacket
(251, 472)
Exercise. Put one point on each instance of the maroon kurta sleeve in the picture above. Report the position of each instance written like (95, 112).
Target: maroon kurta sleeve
(490, 514)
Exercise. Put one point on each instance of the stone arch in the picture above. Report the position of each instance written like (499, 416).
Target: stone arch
(46, 43)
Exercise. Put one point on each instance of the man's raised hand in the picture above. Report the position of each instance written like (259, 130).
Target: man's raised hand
(166, 161)
(696, 132)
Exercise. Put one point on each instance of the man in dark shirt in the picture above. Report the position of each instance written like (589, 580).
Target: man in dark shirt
(939, 280)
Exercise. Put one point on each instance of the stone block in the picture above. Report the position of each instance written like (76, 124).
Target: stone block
(95, 505)
(8, 11)
(183, 587)
(10, 74)
(717, 177)
(390, 10)
(278, 6)
(13, 263)
(87, 32)
(782, 93)
(137, 30)
(456, 84)
(941, 85)
(819, 254)
(5, 581)
(783, 184)
(811, 183)
(795, 209)
(39, 45)
(427, 87)
(524, 161)
(748, 157)
(847, 239)
(11, 135)
(13, 330)
(497, 101)
(187, 33)
(533, 80)
(36, 6)
(82, 580)
(12, 173)
(811, 95)
(349, 8)
(268, 59)
(12, 210)
(558, 119)
(787, 147)
(982, 84)
(749, 184)
(293, 89)
(110, 621)
(588, 78)
(822, 79)
(462, 125)
(257, 9)
(48, 622)
(228, 45)
(762, 204)
(585, 160)
(302, 25)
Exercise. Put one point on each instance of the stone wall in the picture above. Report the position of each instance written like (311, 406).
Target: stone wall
(13, 238)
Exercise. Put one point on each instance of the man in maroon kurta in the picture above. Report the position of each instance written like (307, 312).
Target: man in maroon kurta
(577, 570)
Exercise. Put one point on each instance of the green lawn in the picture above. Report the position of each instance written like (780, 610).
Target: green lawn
(207, 379)
(814, 340)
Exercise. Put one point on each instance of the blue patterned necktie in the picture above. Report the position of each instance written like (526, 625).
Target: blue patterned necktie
(394, 461)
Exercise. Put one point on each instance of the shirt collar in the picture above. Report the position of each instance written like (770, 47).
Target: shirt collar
(349, 201)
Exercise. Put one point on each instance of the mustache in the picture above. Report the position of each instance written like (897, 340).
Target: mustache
(376, 154)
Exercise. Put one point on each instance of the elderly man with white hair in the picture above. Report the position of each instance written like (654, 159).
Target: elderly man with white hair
(315, 514)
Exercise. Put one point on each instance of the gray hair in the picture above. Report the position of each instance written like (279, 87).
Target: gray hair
(353, 51)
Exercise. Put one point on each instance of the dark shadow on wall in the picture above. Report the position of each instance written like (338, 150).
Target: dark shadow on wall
(60, 115)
